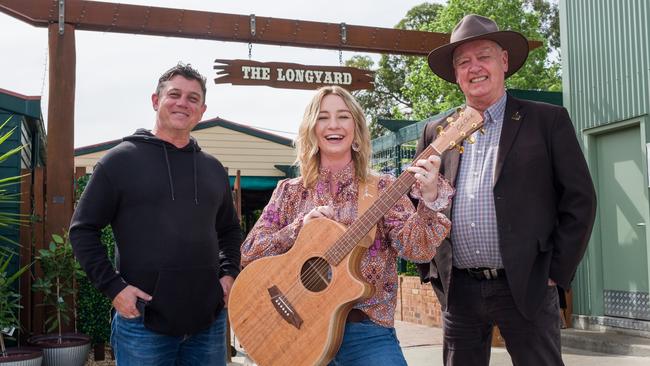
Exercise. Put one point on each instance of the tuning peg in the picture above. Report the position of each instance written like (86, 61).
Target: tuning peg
(471, 139)
(440, 130)
(482, 131)
(450, 119)
(460, 149)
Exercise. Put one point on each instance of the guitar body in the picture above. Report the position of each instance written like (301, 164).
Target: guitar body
(290, 309)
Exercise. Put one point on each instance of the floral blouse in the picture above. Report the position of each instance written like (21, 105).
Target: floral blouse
(403, 231)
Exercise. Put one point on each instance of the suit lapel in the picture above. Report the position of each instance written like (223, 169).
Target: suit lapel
(513, 117)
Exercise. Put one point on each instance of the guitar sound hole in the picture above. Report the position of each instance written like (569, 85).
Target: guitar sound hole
(315, 274)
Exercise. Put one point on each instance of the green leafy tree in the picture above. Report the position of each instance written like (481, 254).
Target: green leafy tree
(549, 16)
(93, 307)
(431, 95)
(388, 99)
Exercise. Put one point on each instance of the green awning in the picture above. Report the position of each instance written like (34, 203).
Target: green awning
(257, 183)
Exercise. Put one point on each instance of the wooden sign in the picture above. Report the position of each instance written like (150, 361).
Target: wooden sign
(291, 76)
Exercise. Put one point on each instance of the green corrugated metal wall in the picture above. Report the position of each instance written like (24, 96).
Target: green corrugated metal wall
(605, 58)
(605, 63)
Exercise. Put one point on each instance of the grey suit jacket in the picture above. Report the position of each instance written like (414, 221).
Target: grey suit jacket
(544, 199)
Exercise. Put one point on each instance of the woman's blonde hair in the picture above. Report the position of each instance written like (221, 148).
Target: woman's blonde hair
(308, 155)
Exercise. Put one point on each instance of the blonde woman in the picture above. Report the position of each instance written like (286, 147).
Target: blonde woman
(333, 149)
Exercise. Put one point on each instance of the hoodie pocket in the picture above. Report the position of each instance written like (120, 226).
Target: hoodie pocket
(185, 301)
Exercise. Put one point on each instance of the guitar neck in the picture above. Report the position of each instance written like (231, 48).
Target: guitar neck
(362, 225)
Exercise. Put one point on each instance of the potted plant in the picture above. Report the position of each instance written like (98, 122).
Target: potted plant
(9, 305)
(9, 297)
(60, 269)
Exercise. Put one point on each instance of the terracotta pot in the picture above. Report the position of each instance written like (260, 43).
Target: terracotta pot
(22, 356)
(71, 350)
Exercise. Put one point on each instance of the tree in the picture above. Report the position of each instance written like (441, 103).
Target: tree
(405, 87)
(549, 15)
(430, 94)
(387, 100)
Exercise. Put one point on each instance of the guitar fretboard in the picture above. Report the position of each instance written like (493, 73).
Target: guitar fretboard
(362, 225)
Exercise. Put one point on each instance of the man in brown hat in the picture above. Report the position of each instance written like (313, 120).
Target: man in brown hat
(523, 211)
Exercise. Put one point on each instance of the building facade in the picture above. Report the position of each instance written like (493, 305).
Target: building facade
(606, 88)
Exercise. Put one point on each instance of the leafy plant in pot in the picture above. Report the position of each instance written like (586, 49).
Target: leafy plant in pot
(9, 296)
(9, 305)
(60, 269)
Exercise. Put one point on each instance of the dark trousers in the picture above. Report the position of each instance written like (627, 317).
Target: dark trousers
(475, 306)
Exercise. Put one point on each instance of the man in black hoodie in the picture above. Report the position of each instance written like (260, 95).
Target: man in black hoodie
(177, 235)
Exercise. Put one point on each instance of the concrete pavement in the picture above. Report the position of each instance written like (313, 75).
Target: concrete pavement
(422, 346)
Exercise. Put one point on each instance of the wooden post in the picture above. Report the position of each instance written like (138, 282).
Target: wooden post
(238, 194)
(38, 230)
(60, 130)
(26, 254)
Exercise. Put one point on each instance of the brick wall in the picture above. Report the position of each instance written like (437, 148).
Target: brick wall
(417, 303)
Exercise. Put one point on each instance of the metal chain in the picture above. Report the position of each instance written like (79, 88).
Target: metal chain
(250, 50)
(340, 58)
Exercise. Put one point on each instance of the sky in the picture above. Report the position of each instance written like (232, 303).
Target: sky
(117, 73)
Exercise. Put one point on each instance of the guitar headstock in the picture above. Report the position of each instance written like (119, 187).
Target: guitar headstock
(458, 127)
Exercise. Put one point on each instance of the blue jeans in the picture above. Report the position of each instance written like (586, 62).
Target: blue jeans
(366, 343)
(133, 344)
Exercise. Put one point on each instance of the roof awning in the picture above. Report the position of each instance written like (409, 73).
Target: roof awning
(257, 183)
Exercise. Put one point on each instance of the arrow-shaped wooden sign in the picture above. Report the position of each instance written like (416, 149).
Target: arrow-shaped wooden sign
(291, 76)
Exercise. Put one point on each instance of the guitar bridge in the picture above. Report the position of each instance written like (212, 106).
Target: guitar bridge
(284, 308)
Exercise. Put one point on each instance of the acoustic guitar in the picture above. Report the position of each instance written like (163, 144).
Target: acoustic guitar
(290, 309)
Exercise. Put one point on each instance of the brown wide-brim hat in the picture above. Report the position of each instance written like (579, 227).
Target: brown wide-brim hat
(472, 28)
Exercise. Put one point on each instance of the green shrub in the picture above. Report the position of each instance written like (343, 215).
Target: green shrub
(93, 308)
(406, 268)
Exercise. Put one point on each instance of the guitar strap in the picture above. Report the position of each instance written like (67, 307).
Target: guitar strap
(367, 196)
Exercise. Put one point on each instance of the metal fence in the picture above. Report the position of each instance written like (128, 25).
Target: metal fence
(393, 160)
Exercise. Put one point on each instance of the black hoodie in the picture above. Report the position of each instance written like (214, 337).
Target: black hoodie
(175, 227)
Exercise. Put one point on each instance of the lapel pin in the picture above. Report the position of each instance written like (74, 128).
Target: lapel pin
(516, 116)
